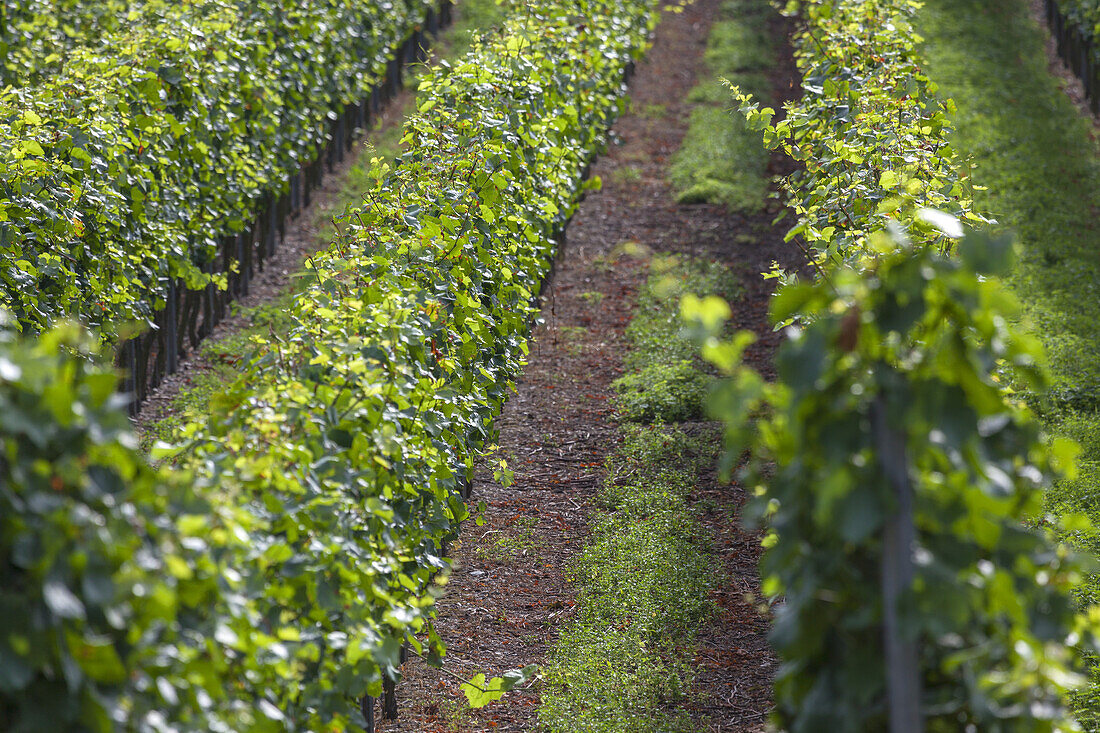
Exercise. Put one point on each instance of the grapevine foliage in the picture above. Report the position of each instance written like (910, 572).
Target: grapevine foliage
(869, 132)
(121, 171)
(1000, 638)
(101, 611)
(904, 331)
(1085, 15)
(37, 35)
(278, 583)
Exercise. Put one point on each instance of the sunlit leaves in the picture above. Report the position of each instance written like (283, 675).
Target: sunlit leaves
(331, 474)
(869, 133)
(121, 168)
(1000, 636)
(481, 692)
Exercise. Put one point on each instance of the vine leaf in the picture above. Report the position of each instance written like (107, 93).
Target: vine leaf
(480, 693)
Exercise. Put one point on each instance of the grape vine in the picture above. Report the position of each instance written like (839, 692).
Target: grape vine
(272, 576)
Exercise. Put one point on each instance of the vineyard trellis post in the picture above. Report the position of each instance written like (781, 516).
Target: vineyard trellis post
(899, 538)
(366, 707)
(1076, 49)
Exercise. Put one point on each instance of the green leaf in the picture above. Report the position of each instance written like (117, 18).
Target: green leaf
(98, 659)
(480, 693)
(15, 672)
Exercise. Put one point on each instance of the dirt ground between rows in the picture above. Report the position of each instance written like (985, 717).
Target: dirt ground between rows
(508, 595)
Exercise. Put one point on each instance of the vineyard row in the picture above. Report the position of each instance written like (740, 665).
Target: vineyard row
(898, 474)
(152, 169)
(191, 314)
(1075, 25)
(271, 577)
(36, 35)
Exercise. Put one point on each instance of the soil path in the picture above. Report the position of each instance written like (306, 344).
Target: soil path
(509, 593)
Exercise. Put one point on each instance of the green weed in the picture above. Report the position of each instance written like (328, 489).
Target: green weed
(665, 381)
(661, 391)
(626, 175)
(519, 539)
(649, 111)
(572, 337)
(720, 160)
(644, 580)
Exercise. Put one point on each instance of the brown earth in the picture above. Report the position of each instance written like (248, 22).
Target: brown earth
(508, 594)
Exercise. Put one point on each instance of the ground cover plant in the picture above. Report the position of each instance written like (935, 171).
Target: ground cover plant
(644, 577)
(720, 160)
(334, 474)
(665, 380)
(644, 586)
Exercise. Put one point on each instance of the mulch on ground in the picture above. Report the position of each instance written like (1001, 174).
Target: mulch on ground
(509, 594)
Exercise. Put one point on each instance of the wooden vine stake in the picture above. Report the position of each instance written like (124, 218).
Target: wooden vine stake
(366, 706)
(899, 537)
(389, 699)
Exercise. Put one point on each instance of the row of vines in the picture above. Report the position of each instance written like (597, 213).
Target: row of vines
(898, 469)
(120, 171)
(36, 35)
(1076, 28)
(1083, 13)
(270, 577)
(144, 179)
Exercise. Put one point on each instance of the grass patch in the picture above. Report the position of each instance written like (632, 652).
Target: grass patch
(663, 392)
(665, 380)
(625, 661)
(573, 338)
(644, 578)
(1041, 165)
(720, 160)
(626, 175)
(651, 111)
